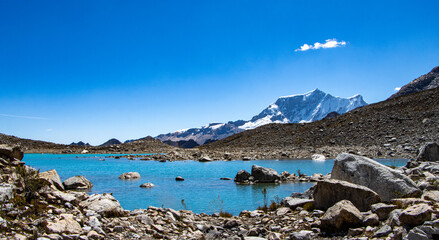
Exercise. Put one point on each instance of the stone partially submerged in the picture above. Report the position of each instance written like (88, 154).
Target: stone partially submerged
(258, 175)
(264, 175)
(129, 176)
(329, 192)
(242, 176)
(388, 183)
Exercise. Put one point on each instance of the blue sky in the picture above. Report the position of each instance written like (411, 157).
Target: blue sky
(93, 70)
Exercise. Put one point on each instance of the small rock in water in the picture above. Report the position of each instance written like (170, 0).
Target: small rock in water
(147, 185)
(129, 176)
(179, 178)
(77, 182)
(225, 178)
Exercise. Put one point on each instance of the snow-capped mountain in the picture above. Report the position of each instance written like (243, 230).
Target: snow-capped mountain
(308, 107)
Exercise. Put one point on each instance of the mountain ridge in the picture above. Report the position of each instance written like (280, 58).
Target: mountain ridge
(424, 82)
(308, 107)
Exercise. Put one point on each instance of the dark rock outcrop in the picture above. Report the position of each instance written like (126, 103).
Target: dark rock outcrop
(332, 115)
(264, 175)
(242, 176)
(10, 153)
(179, 178)
(258, 175)
(429, 153)
(182, 143)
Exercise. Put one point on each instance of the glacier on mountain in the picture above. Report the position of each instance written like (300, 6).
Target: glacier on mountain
(300, 108)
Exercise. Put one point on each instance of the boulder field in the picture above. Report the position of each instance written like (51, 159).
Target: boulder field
(345, 204)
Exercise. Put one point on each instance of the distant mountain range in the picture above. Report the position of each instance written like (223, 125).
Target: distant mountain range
(80, 143)
(308, 107)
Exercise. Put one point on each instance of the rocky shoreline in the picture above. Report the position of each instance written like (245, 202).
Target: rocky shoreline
(404, 204)
(178, 154)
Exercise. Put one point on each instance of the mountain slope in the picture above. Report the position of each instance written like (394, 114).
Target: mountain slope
(312, 106)
(110, 142)
(395, 126)
(424, 82)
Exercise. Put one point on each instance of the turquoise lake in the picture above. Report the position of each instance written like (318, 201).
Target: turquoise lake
(202, 190)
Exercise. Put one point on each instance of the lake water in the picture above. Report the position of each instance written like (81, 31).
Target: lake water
(202, 190)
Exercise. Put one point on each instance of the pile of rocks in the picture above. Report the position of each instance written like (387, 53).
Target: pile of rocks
(267, 175)
(351, 204)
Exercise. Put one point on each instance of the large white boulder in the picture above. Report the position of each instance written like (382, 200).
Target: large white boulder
(104, 204)
(388, 183)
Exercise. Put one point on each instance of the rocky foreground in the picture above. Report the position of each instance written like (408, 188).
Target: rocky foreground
(361, 199)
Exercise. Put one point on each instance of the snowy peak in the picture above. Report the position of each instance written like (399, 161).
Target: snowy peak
(308, 107)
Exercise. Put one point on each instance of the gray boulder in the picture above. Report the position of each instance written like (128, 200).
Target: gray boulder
(329, 192)
(6, 192)
(264, 175)
(242, 176)
(77, 183)
(343, 215)
(383, 231)
(388, 183)
(205, 158)
(10, 153)
(103, 204)
(66, 224)
(293, 203)
(429, 153)
(52, 177)
(382, 210)
(129, 176)
(415, 215)
(147, 185)
(429, 230)
(302, 235)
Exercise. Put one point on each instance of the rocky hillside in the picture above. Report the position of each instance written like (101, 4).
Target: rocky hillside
(424, 82)
(110, 142)
(308, 107)
(145, 145)
(386, 129)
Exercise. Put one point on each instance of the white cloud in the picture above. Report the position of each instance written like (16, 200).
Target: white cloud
(397, 88)
(49, 129)
(329, 43)
(26, 117)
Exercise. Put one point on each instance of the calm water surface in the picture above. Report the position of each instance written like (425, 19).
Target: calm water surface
(202, 190)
